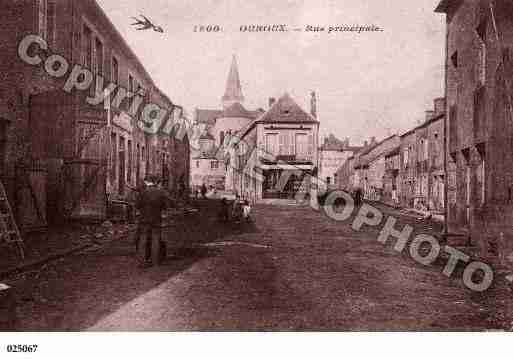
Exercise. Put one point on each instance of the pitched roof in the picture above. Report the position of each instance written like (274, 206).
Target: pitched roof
(332, 143)
(393, 152)
(286, 110)
(354, 149)
(370, 148)
(445, 5)
(233, 90)
(237, 110)
(207, 116)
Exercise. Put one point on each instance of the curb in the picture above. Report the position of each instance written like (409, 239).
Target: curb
(39, 262)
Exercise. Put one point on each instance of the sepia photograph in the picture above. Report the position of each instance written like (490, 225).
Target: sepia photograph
(237, 166)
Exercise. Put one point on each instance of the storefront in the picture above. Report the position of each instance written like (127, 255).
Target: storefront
(286, 181)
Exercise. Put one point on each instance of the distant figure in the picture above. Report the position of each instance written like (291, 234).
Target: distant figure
(358, 197)
(204, 191)
(151, 202)
(224, 212)
(182, 190)
(237, 209)
(246, 211)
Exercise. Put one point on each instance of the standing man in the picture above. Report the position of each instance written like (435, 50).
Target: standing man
(204, 191)
(151, 202)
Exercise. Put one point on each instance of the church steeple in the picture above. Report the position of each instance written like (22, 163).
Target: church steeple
(233, 93)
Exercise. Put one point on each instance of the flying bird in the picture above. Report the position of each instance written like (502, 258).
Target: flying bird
(146, 24)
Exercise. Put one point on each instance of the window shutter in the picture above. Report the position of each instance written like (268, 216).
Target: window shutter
(282, 144)
(41, 26)
(310, 145)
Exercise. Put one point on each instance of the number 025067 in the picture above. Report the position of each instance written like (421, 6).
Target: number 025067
(21, 348)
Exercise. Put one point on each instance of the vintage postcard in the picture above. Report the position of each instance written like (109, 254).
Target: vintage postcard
(262, 166)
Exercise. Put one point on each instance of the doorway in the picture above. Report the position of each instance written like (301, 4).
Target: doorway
(122, 174)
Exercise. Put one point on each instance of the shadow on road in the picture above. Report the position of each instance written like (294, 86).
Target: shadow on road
(78, 292)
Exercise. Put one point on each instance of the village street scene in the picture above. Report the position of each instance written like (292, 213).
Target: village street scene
(248, 195)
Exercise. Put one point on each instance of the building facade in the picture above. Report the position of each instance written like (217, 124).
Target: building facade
(480, 123)
(80, 152)
(372, 168)
(332, 155)
(276, 155)
(217, 127)
(391, 180)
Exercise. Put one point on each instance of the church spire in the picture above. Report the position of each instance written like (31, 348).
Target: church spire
(233, 93)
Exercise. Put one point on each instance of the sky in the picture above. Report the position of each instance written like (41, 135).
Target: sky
(368, 84)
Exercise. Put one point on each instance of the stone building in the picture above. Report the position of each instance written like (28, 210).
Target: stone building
(421, 170)
(372, 167)
(479, 74)
(429, 184)
(333, 153)
(345, 174)
(408, 168)
(391, 179)
(349, 175)
(78, 152)
(218, 126)
(206, 168)
(275, 156)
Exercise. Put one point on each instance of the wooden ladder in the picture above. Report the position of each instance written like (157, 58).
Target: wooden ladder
(9, 231)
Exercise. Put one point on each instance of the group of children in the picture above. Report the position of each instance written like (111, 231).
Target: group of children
(239, 211)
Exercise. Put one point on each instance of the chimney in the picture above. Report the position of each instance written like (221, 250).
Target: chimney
(365, 144)
(439, 106)
(313, 104)
(272, 101)
(429, 115)
(373, 140)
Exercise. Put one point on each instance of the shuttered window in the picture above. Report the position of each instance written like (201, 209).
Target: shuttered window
(42, 6)
(51, 26)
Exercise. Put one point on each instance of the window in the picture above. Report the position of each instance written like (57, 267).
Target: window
(144, 160)
(122, 165)
(51, 17)
(479, 109)
(97, 64)
(3, 141)
(271, 144)
(214, 165)
(197, 164)
(131, 84)
(481, 34)
(130, 162)
(454, 59)
(87, 49)
(406, 157)
(328, 180)
(113, 156)
(42, 6)
(138, 165)
(114, 72)
(426, 149)
(98, 57)
(482, 180)
(481, 173)
(221, 138)
(286, 145)
(131, 89)
(467, 189)
(453, 125)
(301, 145)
